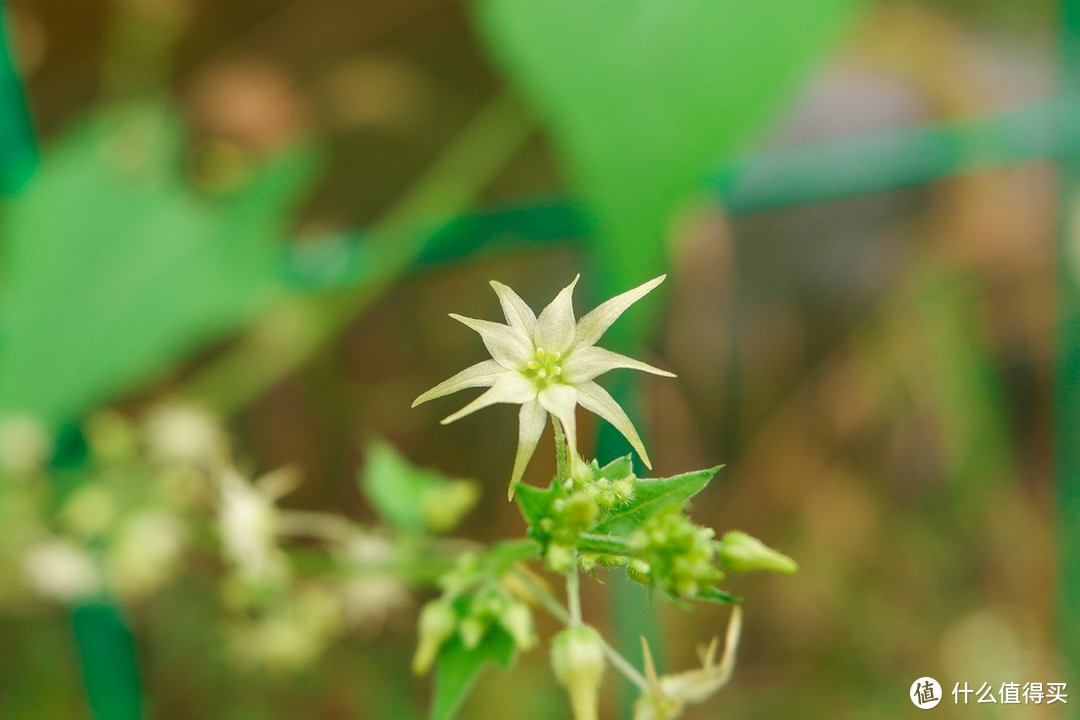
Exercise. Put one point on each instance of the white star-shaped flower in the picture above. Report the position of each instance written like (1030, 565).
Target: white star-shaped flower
(547, 365)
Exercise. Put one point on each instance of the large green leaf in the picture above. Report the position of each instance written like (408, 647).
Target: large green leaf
(651, 495)
(114, 266)
(644, 95)
(458, 667)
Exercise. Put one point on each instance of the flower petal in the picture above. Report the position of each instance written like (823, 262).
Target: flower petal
(531, 422)
(598, 320)
(588, 361)
(596, 399)
(555, 329)
(560, 401)
(509, 346)
(482, 374)
(509, 388)
(518, 314)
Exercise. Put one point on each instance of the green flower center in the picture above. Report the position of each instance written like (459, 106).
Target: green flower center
(544, 369)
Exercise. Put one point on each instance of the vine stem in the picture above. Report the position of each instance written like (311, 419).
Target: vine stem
(299, 327)
(573, 592)
(557, 611)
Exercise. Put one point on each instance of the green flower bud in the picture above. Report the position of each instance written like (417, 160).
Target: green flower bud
(639, 571)
(623, 489)
(577, 657)
(444, 506)
(472, 630)
(559, 558)
(743, 553)
(437, 623)
(578, 511)
(516, 619)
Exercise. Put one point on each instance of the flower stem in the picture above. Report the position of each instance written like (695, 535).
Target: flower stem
(553, 608)
(573, 593)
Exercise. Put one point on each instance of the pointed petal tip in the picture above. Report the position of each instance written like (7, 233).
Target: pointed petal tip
(510, 491)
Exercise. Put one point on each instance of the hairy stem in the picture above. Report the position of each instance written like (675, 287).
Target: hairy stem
(562, 464)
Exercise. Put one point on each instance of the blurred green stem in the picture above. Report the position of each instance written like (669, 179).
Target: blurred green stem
(1067, 385)
(300, 327)
(18, 150)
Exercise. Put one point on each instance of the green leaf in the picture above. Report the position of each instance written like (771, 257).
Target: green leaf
(644, 96)
(651, 495)
(395, 488)
(606, 544)
(502, 556)
(458, 668)
(535, 502)
(115, 266)
(618, 468)
(717, 595)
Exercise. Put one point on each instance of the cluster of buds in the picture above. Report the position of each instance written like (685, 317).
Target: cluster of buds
(674, 555)
(474, 603)
(584, 500)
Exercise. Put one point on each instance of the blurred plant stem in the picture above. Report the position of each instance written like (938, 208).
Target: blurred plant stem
(18, 150)
(138, 47)
(1067, 384)
(299, 327)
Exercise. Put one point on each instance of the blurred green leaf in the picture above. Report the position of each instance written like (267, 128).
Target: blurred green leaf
(643, 96)
(536, 502)
(457, 669)
(651, 495)
(398, 490)
(717, 595)
(114, 266)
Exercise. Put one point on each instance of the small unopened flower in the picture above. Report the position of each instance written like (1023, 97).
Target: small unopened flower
(577, 657)
(547, 365)
(438, 623)
(744, 553)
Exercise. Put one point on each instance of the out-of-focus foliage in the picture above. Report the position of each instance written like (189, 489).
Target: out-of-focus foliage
(115, 265)
(643, 96)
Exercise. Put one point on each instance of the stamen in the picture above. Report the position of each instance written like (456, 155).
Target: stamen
(541, 374)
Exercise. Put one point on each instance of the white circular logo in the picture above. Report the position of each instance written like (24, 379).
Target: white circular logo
(925, 693)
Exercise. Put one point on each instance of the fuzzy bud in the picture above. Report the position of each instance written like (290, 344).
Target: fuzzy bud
(517, 620)
(437, 623)
(577, 657)
(743, 553)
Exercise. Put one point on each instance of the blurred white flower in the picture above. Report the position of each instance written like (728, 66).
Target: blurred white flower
(184, 435)
(547, 365)
(248, 521)
(145, 552)
(290, 635)
(24, 444)
(370, 598)
(61, 570)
